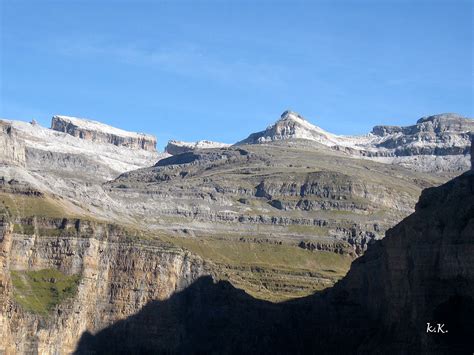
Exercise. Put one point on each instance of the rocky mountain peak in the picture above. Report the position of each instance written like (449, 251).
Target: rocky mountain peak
(99, 132)
(291, 125)
(289, 117)
(288, 114)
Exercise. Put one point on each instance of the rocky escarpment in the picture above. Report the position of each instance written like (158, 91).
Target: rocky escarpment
(419, 276)
(321, 197)
(99, 132)
(445, 134)
(48, 151)
(177, 147)
(118, 272)
(421, 272)
(12, 149)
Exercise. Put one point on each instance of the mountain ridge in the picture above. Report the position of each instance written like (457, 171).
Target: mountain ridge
(280, 220)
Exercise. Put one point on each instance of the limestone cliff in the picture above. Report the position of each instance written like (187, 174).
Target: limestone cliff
(12, 149)
(118, 272)
(444, 134)
(99, 132)
(49, 151)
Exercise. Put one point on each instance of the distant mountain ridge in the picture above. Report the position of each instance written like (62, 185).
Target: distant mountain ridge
(444, 137)
(445, 134)
(279, 219)
(97, 131)
(93, 149)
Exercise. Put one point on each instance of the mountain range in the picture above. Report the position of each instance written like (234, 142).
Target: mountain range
(96, 223)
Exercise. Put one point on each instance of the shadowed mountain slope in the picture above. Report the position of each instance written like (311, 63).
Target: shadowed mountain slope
(422, 272)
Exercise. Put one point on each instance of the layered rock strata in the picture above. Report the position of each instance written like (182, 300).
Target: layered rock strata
(420, 277)
(119, 272)
(98, 132)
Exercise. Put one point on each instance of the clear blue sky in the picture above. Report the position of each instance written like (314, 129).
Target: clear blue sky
(219, 70)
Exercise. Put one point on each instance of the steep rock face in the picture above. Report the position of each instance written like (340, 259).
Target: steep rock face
(177, 147)
(12, 150)
(99, 132)
(422, 272)
(117, 278)
(444, 134)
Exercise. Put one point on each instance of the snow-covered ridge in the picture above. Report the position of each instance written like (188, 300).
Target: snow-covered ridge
(443, 139)
(438, 131)
(63, 151)
(176, 147)
(291, 125)
(100, 127)
(99, 132)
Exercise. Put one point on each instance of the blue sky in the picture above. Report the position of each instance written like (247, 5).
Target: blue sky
(219, 70)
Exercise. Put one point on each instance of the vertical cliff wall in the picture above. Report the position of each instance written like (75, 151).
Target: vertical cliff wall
(99, 132)
(117, 273)
(12, 149)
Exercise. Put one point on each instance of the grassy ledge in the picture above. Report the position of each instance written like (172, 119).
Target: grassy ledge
(40, 291)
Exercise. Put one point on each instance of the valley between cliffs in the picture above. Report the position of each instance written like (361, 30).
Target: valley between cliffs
(96, 226)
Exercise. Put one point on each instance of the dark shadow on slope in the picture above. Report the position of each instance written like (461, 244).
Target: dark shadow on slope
(208, 318)
(423, 271)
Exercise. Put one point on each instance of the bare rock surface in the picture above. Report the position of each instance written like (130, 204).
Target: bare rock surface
(99, 132)
(11, 147)
(116, 279)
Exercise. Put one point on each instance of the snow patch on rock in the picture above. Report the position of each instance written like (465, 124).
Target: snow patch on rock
(177, 147)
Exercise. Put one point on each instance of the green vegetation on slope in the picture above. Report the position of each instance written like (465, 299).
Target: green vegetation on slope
(40, 291)
(25, 206)
(274, 255)
(273, 272)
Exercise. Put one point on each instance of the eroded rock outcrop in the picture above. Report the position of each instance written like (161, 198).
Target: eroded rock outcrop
(444, 134)
(12, 149)
(99, 132)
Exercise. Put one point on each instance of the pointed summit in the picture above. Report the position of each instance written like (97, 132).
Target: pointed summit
(291, 114)
(291, 125)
